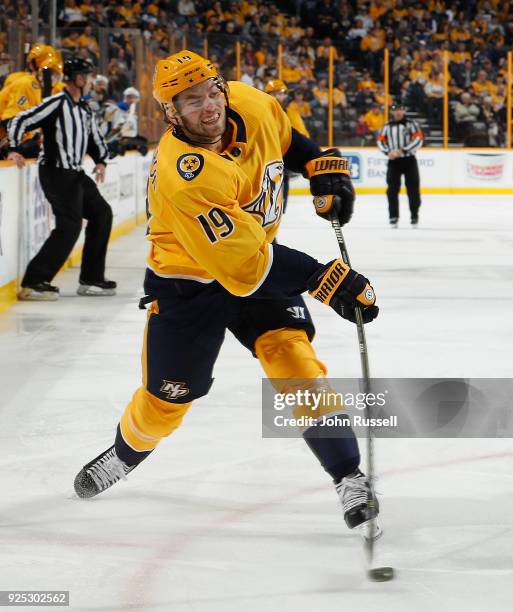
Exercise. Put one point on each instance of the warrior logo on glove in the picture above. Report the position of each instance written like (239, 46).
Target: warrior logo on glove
(340, 287)
(328, 164)
(330, 182)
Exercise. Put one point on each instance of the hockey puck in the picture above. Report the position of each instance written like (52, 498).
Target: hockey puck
(381, 574)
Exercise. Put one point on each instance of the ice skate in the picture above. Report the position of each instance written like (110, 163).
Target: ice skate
(354, 493)
(394, 222)
(100, 474)
(39, 292)
(104, 287)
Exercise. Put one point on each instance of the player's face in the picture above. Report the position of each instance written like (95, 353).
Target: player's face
(201, 112)
(281, 96)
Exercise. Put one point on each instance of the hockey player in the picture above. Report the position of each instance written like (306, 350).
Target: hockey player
(23, 90)
(215, 204)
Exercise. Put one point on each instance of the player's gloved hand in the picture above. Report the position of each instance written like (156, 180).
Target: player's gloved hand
(339, 286)
(330, 176)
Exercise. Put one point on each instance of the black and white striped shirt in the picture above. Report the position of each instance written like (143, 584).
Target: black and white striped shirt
(69, 132)
(405, 136)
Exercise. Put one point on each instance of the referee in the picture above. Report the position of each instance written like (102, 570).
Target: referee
(399, 139)
(69, 132)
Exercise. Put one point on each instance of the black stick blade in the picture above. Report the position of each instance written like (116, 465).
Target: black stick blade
(381, 574)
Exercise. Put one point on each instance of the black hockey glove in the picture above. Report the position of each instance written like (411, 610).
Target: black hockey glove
(330, 176)
(340, 287)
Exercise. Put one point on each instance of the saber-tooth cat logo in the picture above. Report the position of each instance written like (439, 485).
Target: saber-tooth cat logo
(269, 202)
(173, 389)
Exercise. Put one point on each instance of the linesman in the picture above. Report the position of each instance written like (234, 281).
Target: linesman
(69, 132)
(399, 140)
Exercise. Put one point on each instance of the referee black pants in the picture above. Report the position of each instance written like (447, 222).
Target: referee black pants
(73, 196)
(396, 168)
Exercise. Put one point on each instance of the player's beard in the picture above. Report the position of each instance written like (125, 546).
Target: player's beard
(202, 131)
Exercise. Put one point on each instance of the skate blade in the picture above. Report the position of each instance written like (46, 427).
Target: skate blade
(370, 530)
(32, 296)
(92, 292)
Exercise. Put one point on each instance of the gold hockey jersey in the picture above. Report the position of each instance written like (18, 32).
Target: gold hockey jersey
(22, 93)
(213, 216)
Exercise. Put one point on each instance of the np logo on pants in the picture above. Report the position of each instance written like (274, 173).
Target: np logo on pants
(173, 389)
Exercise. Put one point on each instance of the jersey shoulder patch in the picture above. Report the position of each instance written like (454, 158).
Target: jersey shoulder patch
(190, 165)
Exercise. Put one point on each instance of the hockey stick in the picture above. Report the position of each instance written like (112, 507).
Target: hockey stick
(364, 359)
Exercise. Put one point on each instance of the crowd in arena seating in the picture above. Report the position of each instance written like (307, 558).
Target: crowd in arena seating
(475, 33)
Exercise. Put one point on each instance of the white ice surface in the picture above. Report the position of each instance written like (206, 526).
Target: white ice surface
(219, 519)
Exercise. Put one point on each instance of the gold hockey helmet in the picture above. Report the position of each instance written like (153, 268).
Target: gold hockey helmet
(54, 63)
(39, 52)
(180, 71)
(276, 85)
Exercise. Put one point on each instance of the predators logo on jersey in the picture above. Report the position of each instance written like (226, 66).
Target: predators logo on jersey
(269, 204)
(190, 165)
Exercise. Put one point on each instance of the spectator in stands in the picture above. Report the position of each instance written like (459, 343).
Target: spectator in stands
(291, 74)
(466, 113)
(482, 85)
(86, 8)
(403, 60)
(499, 100)
(299, 109)
(248, 75)
(71, 42)
(339, 96)
(97, 19)
(464, 74)
(434, 89)
(366, 82)
(357, 32)
(187, 11)
(380, 97)
(71, 15)
(372, 45)
(321, 63)
(375, 119)
(459, 33)
(129, 11)
(489, 117)
(352, 81)
(305, 69)
(461, 55)
(292, 30)
(304, 87)
(88, 40)
(321, 93)
(362, 132)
